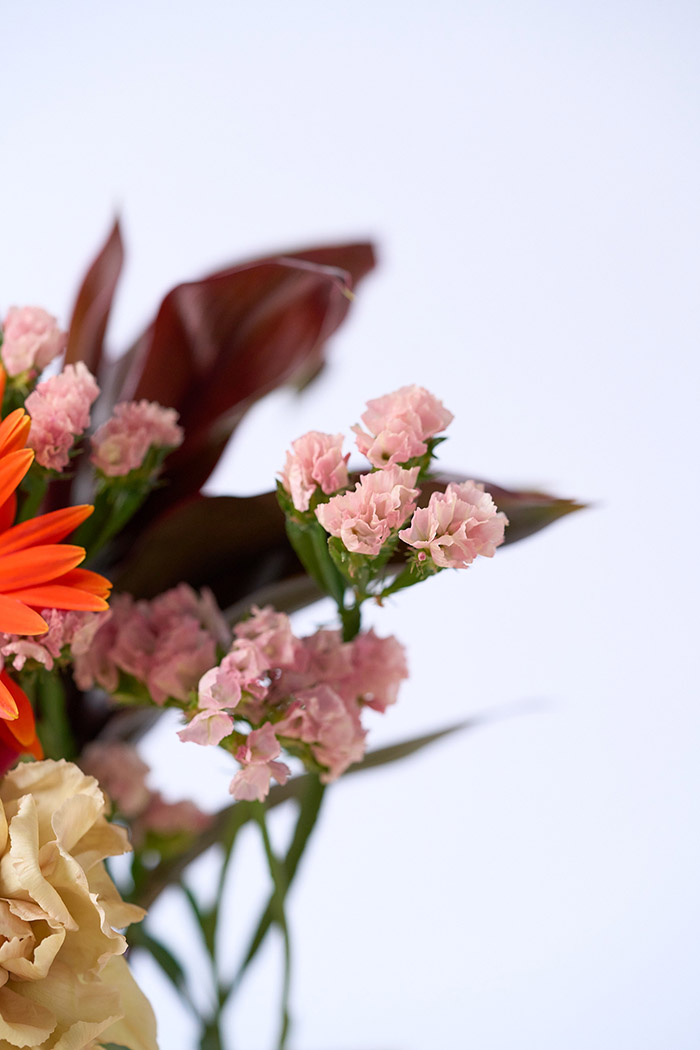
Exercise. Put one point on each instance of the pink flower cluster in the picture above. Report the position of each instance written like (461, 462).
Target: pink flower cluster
(457, 524)
(73, 629)
(308, 691)
(120, 445)
(316, 461)
(167, 643)
(365, 517)
(31, 339)
(123, 776)
(60, 410)
(400, 425)
(452, 530)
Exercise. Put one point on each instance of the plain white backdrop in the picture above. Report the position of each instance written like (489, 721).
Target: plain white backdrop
(530, 173)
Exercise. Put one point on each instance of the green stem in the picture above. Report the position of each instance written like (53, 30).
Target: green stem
(351, 620)
(34, 486)
(280, 883)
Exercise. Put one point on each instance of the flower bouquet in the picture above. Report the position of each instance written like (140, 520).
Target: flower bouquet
(112, 609)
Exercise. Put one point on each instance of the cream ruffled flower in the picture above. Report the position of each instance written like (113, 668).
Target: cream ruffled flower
(63, 984)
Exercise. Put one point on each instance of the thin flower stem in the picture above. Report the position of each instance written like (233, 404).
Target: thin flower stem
(279, 881)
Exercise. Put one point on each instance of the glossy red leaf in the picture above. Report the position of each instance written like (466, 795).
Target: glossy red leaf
(219, 344)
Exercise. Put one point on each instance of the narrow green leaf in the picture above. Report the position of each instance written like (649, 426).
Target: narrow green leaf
(171, 967)
(310, 805)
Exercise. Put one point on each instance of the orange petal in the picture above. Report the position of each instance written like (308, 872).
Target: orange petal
(13, 467)
(3, 382)
(14, 431)
(7, 513)
(56, 596)
(16, 618)
(13, 744)
(23, 727)
(8, 704)
(47, 528)
(87, 580)
(37, 565)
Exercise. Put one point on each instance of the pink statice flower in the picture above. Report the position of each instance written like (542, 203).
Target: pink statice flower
(120, 772)
(164, 643)
(172, 818)
(218, 693)
(120, 445)
(67, 630)
(31, 339)
(399, 425)
(60, 411)
(456, 526)
(123, 774)
(272, 633)
(92, 649)
(365, 517)
(257, 756)
(330, 724)
(378, 668)
(44, 649)
(316, 460)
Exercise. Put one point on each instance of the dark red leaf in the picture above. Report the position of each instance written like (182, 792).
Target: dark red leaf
(219, 344)
(233, 545)
(93, 303)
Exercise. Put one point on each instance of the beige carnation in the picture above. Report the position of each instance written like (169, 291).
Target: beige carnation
(63, 985)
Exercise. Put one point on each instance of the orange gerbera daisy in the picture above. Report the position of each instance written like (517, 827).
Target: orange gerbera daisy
(36, 570)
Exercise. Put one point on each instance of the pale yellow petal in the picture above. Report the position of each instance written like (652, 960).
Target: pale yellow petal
(101, 841)
(36, 965)
(24, 853)
(81, 1036)
(137, 1028)
(74, 818)
(119, 912)
(23, 1022)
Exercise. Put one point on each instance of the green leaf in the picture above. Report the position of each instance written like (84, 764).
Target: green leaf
(311, 798)
(171, 967)
(310, 542)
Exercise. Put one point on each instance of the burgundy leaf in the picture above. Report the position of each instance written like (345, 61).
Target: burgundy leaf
(93, 303)
(233, 545)
(219, 344)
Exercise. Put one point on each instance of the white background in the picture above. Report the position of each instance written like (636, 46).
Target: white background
(530, 173)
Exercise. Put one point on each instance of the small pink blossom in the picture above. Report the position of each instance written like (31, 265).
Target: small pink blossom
(120, 445)
(173, 818)
(331, 724)
(164, 644)
(123, 775)
(400, 425)
(457, 525)
(316, 460)
(257, 757)
(379, 666)
(208, 728)
(31, 339)
(220, 687)
(121, 772)
(272, 633)
(93, 662)
(60, 411)
(365, 517)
